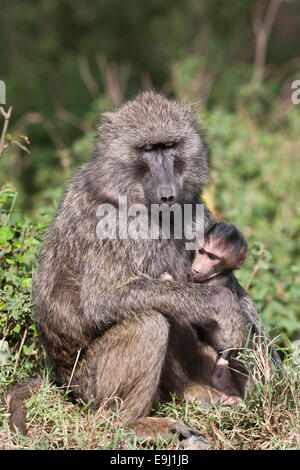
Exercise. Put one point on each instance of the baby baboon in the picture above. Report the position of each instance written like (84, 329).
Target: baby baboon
(224, 250)
(99, 304)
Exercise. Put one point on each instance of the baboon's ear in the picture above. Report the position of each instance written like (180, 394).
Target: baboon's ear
(106, 120)
(241, 258)
(195, 108)
(192, 113)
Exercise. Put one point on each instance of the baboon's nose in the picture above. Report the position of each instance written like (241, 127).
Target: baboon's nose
(166, 194)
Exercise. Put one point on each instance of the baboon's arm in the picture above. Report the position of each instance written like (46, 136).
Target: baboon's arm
(213, 308)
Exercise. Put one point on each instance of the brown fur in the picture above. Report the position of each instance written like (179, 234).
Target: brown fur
(14, 399)
(135, 333)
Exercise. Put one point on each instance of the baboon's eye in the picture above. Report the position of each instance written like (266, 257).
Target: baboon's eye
(148, 147)
(201, 251)
(212, 256)
(170, 144)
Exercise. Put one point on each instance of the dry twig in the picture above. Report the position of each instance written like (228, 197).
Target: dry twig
(20, 349)
(6, 116)
(114, 87)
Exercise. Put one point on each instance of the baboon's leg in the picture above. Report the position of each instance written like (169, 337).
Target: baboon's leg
(125, 362)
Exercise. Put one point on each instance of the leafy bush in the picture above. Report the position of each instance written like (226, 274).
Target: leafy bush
(19, 244)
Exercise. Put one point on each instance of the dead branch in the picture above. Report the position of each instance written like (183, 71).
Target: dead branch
(72, 119)
(112, 84)
(87, 77)
(262, 27)
(26, 120)
(20, 350)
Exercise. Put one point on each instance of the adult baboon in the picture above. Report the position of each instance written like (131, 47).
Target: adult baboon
(99, 302)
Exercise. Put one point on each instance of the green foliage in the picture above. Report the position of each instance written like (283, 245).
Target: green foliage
(19, 245)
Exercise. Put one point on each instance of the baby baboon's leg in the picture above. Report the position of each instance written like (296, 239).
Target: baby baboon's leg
(207, 395)
(223, 380)
(193, 369)
(216, 383)
(203, 393)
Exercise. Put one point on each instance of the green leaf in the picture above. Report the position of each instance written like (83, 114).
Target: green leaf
(17, 329)
(26, 283)
(19, 258)
(4, 357)
(5, 234)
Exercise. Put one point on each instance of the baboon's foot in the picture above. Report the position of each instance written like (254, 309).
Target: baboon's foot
(202, 393)
(150, 427)
(207, 395)
(230, 400)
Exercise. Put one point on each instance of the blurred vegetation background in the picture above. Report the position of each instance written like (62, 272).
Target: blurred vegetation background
(66, 61)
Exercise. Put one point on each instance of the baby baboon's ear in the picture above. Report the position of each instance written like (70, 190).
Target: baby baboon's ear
(241, 258)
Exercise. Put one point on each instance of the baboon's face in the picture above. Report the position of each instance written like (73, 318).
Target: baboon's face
(151, 151)
(159, 169)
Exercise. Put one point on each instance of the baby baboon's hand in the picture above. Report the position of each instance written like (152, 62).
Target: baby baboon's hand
(166, 277)
(235, 338)
(211, 334)
(230, 328)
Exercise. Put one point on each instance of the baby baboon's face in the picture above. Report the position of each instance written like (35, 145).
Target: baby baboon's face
(209, 261)
(214, 258)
